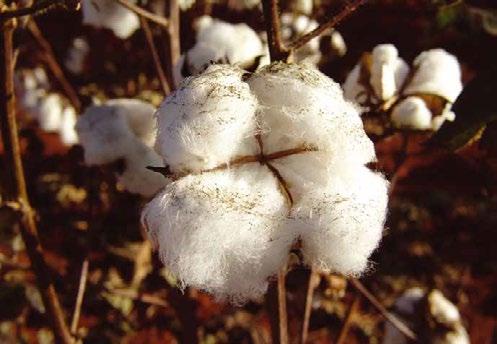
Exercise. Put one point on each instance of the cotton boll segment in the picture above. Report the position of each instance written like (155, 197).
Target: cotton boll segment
(111, 15)
(412, 113)
(208, 121)
(219, 231)
(302, 107)
(67, 129)
(436, 72)
(341, 224)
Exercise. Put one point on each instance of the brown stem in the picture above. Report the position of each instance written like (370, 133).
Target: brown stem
(144, 13)
(314, 280)
(277, 50)
(276, 307)
(329, 24)
(348, 321)
(54, 66)
(79, 298)
(403, 328)
(39, 6)
(15, 187)
(173, 49)
(155, 55)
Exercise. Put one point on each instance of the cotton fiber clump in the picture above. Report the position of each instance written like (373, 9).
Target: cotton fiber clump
(50, 110)
(76, 55)
(383, 81)
(220, 42)
(123, 129)
(430, 315)
(111, 15)
(259, 165)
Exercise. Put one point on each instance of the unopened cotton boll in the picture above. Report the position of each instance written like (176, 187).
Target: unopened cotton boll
(76, 55)
(413, 113)
(209, 120)
(111, 15)
(436, 72)
(219, 231)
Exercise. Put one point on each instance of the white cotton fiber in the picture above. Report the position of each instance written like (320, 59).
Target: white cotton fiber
(49, 112)
(111, 15)
(295, 25)
(337, 43)
(220, 232)
(67, 128)
(412, 113)
(436, 72)
(209, 120)
(388, 71)
(300, 106)
(76, 55)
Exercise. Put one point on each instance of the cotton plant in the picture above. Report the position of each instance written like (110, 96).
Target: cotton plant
(123, 130)
(220, 42)
(111, 15)
(417, 98)
(50, 110)
(432, 317)
(76, 55)
(261, 164)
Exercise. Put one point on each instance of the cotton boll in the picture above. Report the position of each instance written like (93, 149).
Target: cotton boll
(436, 72)
(388, 71)
(300, 106)
(136, 178)
(186, 4)
(219, 231)
(338, 43)
(296, 25)
(353, 89)
(49, 112)
(341, 224)
(76, 55)
(67, 129)
(111, 15)
(412, 113)
(208, 121)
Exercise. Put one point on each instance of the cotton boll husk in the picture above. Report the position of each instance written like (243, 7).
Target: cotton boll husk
(49, 112)
(208, 121)
(412, 113)
(436, 72)
(76, 55)
(67, 129)
(300, 106)
(111, 15)
(388, 71)
(136, 178)
(341, 224)
(219, 231)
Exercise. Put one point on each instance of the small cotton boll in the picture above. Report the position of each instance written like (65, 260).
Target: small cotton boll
(300, 106)
(209, 120)
(412, 113)
(111, 15)
(67, 129)
(338, 43)
(341, 224)
(436, 72)
(219, 231)
(49, 112)
(76, 55)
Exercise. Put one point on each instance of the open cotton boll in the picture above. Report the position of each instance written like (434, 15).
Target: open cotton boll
(412, 113)
(49, 112)
(111, 15)
(388, 71)
(67, 129)
(108, 131)
(209, 120)
(300, 106)
(436, 72)
(296, 25)
(76, 55)
(136, 178)
(341, 224)
(219, 231)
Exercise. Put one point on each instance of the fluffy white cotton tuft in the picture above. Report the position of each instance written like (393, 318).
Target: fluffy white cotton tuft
(123, 129)
(208, 121)
(220, 232)
(436, 72)
(76, 55)
(412, 113)
(49, 112)
(67, 128)
(337, 43)
(220, 42)
(111, 15)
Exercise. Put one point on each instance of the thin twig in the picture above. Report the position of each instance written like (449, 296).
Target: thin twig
(403, 328)
(141, 297)
(348, 321)
(173, 48)
(399, 161)
(54, 65)
(277, 50)
(155, 55)
(15, 187)
(144, 13)
(282, 312)
(314, 280)
(38, 7)
(79, 298)
(329, 24)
